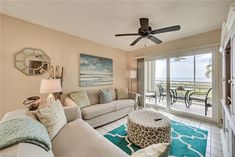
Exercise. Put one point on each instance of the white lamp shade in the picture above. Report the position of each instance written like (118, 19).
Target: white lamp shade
(132, 74)
(50, 86)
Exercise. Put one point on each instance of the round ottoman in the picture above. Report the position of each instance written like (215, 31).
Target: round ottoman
(144, 129)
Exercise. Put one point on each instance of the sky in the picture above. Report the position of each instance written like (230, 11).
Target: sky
(183, 70)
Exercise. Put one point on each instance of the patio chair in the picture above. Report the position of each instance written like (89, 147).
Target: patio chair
(182, 95)
(163, 93)
(201, 97)
(151, 94)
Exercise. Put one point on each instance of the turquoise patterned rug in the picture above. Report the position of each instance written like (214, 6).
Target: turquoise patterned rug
(187, 141)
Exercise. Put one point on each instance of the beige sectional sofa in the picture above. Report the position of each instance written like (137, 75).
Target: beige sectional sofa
(75, 139)
(98, 114)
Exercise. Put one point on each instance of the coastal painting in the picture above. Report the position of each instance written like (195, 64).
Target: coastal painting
(95, 71)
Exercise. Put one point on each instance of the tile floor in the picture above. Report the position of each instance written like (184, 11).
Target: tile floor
(195, 108)
(214, 147)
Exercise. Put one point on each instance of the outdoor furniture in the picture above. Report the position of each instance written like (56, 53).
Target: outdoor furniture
(201, 97)
(151, 94)
(147, 127)
(163, 93)
(184, 97)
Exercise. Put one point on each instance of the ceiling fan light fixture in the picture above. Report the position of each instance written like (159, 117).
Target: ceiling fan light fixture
(145, 31)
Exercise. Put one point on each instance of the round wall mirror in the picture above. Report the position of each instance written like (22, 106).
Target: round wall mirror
(32, 61)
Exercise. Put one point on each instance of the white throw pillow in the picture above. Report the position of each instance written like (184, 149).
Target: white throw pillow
(154, 150)
(80, 98)
(52, 117)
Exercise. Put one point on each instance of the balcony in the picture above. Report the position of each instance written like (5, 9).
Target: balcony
(186, 96)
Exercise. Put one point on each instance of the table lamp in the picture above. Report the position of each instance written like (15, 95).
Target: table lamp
(50, 86)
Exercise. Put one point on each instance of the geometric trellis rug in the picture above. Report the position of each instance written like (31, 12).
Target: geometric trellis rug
(186, 140)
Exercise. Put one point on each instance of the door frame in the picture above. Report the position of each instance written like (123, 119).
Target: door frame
(216, 82)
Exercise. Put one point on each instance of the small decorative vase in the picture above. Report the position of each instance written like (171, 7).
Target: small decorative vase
(32, 103)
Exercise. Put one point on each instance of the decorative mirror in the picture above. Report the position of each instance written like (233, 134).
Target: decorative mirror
(32, 61)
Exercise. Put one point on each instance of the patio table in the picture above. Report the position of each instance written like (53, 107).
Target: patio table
(187, 91)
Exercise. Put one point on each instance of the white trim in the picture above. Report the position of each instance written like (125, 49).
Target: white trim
(224, 144)
(180, 52)
(216, 79)
(230, 117)
(228, 28)
(184, 114)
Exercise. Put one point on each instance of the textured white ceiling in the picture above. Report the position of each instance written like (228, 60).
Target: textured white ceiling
(99, 21)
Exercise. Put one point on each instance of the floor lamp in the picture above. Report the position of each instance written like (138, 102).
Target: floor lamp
(132, 75)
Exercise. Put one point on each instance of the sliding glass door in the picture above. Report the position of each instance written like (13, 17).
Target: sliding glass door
(191, 83)
(182, 83)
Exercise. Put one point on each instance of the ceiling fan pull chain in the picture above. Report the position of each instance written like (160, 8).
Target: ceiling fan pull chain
(145, 42)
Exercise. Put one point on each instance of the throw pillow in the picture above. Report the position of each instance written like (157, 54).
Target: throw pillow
(122, 93)
(154, 150)
(80, 98)
(114, 95)
(52, 117)
(105, 96)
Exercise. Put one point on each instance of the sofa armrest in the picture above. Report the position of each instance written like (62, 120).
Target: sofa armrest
(71, 110)
(134, 96)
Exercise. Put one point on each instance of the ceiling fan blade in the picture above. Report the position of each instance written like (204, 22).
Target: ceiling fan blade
(128, 34)
(136, 40)
(144, 24)
(154, 39)
(166, 29)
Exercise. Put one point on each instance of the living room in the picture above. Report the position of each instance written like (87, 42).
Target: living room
(71, 62)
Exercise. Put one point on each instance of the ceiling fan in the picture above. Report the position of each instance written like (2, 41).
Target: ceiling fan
(145, 31)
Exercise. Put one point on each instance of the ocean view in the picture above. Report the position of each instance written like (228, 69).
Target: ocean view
(186, 79)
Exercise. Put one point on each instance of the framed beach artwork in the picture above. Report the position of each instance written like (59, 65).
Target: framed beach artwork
(95, 71)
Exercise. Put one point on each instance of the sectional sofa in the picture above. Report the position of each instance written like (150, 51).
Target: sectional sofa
(97, 114)
(75, 139)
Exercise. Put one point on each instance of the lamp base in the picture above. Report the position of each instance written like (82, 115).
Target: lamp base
(50, 99)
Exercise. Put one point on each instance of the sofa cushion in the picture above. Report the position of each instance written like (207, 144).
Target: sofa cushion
(25, 150)
(114, 95)
(78, 139)
(105, 96)
(52, 117)
(97, 110)
(124, 103)
(93, 96)
(80, 98)
(122, 93)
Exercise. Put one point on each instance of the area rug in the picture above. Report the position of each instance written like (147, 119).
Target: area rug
(186, 140)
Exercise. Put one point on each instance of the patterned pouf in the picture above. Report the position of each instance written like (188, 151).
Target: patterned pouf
(143, 129)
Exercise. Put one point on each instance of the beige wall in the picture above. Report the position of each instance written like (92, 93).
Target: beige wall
(1, 67)
(176, 46)
(63, 49)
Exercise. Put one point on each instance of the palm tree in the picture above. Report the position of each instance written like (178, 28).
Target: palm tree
(208, 73)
